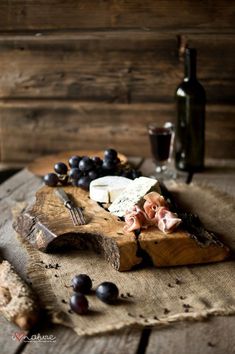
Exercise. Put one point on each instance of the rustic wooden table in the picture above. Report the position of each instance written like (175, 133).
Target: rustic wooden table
(215, 335)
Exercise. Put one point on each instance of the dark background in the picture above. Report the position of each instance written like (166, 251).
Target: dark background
(89, 74)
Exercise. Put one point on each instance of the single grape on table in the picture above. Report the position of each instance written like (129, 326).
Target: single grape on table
(82, 283)
(79, 304)
(107, 292)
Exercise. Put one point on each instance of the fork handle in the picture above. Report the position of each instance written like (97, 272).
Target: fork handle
(63, 196)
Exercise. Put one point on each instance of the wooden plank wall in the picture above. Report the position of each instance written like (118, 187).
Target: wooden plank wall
(92, 73)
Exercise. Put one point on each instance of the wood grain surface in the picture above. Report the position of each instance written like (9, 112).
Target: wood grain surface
(93, 66)
(83, 14)
(21, 188)
(102, 232)
(125, 341)
(208, 334)
(32, 128)
(111, 52)
(105, 67)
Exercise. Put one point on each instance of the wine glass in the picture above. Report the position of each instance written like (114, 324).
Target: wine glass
(162, 142)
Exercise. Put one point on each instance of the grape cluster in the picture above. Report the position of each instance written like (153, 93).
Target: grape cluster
(83, 169)
(82, 284)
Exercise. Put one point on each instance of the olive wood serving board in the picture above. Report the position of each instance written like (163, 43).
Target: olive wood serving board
(47, 226)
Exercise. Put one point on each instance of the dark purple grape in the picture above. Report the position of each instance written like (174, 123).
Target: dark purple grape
(126, 173)
(74, 161)
(119, 171)
(135, 174)
(93, 175)
(101, 172)
(117, 160)
(97, 161)
(86, 164)
(110, 154)
(108, 165)
(79, 304)
(63, 179)
(51, 179)
(113, 162)
(74, 182)
(75, 173)
(82, 283)
(107, 292)
(84, 182)
(61, 168)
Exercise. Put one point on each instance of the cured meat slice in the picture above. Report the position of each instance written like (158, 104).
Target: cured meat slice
(167, 221)
(135, 219)
(153, 201)
(155, 212)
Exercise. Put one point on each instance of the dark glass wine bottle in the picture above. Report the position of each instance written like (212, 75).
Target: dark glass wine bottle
(190, 125)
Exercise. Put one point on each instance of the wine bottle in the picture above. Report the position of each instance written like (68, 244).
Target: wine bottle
(190, 124)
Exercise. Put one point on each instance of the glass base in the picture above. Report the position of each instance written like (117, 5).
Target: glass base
(161, 169)
(163, 173)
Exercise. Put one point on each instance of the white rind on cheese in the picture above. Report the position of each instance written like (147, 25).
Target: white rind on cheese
(107, 189)
(133, 195)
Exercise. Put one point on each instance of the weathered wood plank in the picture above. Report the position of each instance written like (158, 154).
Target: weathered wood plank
(8, 345)
(213, 336)
(13, 191)
(216, 64)
(18, 188)
(105, 66)
(27, 15)
(68, 342)
(33, 128)
(92, 66)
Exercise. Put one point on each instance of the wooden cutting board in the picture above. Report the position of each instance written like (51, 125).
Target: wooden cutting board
(44, 164)
(47, 226)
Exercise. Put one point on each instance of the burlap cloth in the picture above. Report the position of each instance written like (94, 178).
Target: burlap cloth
(149, 296)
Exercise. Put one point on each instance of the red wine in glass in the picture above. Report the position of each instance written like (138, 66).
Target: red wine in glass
(161, 141)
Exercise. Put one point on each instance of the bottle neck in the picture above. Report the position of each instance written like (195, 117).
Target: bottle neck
(190, 72)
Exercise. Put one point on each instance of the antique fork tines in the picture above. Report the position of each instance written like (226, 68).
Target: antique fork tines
(75, 212)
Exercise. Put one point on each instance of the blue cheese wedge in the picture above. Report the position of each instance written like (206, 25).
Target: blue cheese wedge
(134, 194)
(107, 189)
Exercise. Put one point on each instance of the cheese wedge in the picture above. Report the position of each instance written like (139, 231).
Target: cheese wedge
(107, 189)
(133, 195)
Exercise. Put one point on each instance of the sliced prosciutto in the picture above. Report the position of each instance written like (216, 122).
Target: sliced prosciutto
(153, 201)
(135, 219)
(167, 221)
(155, 212)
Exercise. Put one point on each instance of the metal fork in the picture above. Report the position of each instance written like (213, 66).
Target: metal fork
(75, 212)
